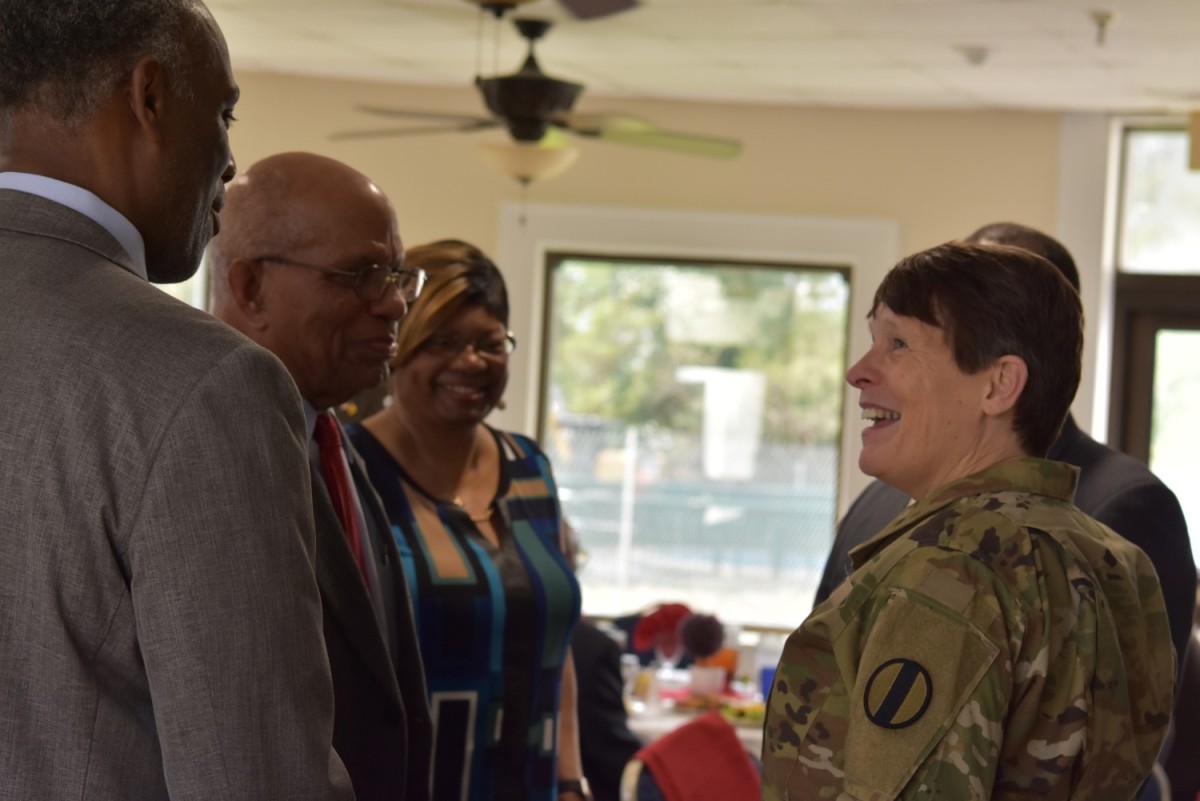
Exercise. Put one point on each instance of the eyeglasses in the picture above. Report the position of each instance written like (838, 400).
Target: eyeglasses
(449, 346)
(371, 281)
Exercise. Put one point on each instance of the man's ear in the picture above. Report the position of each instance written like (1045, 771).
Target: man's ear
(1008, 377)
(245, 284)
(148, 93)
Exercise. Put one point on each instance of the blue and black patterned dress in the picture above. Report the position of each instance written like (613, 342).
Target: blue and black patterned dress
(494, 622)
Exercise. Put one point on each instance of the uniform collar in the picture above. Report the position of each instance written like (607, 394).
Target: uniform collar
(1029, 475)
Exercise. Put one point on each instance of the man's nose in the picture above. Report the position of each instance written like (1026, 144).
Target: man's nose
(392, 305)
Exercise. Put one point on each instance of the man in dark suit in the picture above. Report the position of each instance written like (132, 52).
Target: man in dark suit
(309, 265)
(159, 616)
(1113, 488)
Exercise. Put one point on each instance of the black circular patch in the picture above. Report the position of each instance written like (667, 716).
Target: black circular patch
(897, 694)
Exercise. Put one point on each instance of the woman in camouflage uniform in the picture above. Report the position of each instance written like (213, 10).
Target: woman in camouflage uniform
(993, 642)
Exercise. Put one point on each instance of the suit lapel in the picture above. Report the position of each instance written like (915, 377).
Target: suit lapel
(410, 669)
(343, 591)
(371, 505)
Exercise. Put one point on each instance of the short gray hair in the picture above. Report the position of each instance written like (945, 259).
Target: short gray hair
(64, 56)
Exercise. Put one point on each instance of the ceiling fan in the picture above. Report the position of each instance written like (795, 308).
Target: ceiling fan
(536, 108)
(582, 9)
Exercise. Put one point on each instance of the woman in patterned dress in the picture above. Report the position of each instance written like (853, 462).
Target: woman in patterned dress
(476, 516)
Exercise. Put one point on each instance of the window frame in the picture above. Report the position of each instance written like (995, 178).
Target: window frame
(869, 246)
(1143, 304)
(555, 258)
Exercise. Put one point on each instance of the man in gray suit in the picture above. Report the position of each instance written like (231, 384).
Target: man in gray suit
(159, 615)
(1114, 488)
(309, 264)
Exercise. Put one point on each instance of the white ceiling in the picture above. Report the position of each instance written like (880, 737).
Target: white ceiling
(1031, 54)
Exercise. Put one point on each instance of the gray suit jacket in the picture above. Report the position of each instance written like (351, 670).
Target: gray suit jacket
(383, 730)
(160, 628)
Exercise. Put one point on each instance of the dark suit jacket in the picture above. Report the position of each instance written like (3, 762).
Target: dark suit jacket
(1182, 766)
(382, 726)
(604, 736)
(160, 626)
(1113, 488)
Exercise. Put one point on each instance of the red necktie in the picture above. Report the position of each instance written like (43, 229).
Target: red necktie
(336, 473)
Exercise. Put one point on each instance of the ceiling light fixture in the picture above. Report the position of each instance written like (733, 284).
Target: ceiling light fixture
(526, 162)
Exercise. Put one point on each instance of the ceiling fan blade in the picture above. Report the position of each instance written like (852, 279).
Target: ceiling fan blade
(629, 130)
(554, 139)
(408, 114)
(690, 144)
(591, 9)
(467, 126)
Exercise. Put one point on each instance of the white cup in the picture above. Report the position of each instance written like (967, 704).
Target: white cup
(706, 680)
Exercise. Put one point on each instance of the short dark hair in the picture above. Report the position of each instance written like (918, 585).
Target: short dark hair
(992, 301)
(460, 276)
(1022, 236)
(64, 56)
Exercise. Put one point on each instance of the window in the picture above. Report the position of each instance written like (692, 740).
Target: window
(1174, 440)
(1156, 380)
(1160, 203)
(692, 411)
(529, 233)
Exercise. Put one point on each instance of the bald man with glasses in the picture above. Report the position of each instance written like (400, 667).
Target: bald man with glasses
(310, 265)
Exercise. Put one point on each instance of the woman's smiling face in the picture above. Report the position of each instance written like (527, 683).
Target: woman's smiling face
(925, 412)
(459, 373)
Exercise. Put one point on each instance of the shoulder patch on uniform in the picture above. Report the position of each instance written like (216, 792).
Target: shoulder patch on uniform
(897, 694)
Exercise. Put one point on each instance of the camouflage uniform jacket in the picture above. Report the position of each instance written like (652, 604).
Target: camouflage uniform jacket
(993, 643)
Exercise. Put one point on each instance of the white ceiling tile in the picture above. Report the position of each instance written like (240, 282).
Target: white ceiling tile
(1039, 53)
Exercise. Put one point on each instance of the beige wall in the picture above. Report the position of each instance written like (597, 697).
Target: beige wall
(931, 175)
(937, 174)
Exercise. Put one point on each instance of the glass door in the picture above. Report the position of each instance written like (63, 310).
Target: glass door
(1174, 438)
(1156, 382)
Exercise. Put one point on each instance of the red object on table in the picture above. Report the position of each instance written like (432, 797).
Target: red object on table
(660, 627)
(701, 760)
(674, 693)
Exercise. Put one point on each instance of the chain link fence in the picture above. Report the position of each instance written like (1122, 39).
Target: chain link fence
(654, 528)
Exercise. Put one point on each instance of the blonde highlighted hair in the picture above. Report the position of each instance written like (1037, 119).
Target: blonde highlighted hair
(459, 275)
